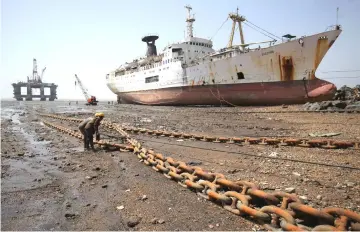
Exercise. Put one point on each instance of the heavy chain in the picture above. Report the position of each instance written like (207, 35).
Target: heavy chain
(299, 142)
(102, 143)
(272, 210)
(292, 111)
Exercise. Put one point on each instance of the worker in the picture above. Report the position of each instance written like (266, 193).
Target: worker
(89, 127)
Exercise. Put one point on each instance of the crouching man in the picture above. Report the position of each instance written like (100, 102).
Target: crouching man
(88, 128)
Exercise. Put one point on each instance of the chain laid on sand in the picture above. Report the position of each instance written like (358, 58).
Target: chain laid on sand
(101, 143)
(272, 210)
(356, 111)
(298, 142)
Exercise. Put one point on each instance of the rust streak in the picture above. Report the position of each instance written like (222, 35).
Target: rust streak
(281, 74)
(288, 68)
(321, 49)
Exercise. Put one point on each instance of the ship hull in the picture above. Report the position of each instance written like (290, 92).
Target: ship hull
(267, 93)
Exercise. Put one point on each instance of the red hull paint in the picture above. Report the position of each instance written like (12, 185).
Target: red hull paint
(269, 93)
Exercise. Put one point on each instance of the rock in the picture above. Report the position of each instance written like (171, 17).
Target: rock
(217, 224)
(290, 190)
(21, 153)
(350, 184)
(31, 155)
(154, 221)
(70, 215)
(232, 171)
(157, 221)
(304, 199)
(96, 169)
(211, 226)
(306, 106)
(104, 186)
(353, 106)
(273, 154)
(88, 177)
(40, 139)
(338, 185)
(68, 204)
(319, 197)
(144, 197)
(315, 106)
(339, 104)
(161, 221)
(120, 161)
(194, 163)
(133, 221)
(120, 207)
(325, 104)
(296, 174)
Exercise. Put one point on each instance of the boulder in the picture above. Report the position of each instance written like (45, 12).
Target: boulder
(339, 104)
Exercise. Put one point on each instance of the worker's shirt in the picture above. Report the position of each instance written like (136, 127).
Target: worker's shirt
(93, 125)
(83, 123)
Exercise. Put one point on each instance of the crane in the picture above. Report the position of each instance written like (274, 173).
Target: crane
(89, 100)
(42, 74)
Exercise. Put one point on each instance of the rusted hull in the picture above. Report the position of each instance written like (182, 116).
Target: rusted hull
(270, 93)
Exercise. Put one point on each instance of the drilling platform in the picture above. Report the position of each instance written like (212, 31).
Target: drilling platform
(34, 82)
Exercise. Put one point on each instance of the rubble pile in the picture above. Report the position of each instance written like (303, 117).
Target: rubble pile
(345, 98)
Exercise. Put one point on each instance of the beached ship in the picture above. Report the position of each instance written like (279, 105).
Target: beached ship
(191, 72)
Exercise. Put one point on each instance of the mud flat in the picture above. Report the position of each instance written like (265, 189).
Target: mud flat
(50, 183)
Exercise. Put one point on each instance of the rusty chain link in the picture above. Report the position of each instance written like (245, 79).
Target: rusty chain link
(272, 210)
(305, 143)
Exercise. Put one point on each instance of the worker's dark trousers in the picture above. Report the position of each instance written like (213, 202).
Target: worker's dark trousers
(84, 134)
(89, 139)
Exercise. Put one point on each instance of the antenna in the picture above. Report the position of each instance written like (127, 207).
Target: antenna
(337, 15)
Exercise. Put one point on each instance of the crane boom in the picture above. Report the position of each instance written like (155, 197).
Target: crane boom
(86, 95)
(42, 74)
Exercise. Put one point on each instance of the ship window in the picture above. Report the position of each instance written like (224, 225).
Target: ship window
(197, 44)
(240, 75)
(191, 43)
(152, 79)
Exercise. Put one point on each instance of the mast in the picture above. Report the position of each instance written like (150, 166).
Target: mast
(236, 18)
(189, 20)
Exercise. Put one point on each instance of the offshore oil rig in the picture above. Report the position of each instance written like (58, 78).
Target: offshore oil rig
(34, 82)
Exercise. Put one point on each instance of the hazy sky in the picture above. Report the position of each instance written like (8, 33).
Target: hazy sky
(92, 37)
